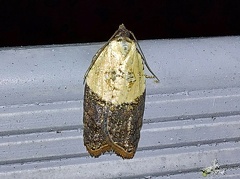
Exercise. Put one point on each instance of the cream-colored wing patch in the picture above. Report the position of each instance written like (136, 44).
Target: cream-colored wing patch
(117, 76)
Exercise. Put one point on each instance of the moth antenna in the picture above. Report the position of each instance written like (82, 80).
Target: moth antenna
(115, 33)
(144, 59)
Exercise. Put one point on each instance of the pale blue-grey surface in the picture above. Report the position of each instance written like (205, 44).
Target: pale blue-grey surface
(191, 117)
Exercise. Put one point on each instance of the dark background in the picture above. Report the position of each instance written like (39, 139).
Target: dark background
(40, 22)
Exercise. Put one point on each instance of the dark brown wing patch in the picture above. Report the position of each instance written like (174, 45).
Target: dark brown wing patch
(112, 127)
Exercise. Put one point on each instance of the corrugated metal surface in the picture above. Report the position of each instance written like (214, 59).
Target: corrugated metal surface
(192, 116)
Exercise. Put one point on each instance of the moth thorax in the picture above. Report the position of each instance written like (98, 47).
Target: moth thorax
(125, 44)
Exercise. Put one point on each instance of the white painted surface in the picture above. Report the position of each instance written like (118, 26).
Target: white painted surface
(191, 116)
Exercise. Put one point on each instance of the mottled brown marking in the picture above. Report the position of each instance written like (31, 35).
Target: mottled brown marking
(109, 127)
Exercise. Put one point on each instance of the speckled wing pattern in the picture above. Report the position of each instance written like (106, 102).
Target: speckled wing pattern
(114, 97)
(111, 127)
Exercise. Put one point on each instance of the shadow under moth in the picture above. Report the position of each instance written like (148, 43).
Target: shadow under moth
(114, 96)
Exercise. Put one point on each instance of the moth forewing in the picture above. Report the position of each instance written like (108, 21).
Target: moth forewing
(114, 97)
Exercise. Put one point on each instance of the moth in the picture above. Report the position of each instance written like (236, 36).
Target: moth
(114, 97)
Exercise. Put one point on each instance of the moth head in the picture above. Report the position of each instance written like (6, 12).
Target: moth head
(122, 32)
